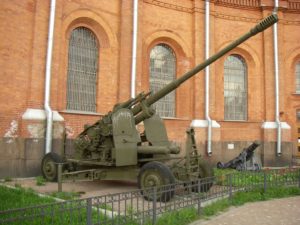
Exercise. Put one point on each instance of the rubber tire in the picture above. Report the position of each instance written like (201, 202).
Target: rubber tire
(50, 159)
(166, 176)
(206, 172)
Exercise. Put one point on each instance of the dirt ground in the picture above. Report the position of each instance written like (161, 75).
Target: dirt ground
(85, 188)
(284, 211)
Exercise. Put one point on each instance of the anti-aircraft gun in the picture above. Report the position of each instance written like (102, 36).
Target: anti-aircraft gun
(239, 162)
(113, 149)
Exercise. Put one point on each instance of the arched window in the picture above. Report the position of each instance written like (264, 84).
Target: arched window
(298, 77)
(162, 71)
(82, 70)
(235, 88)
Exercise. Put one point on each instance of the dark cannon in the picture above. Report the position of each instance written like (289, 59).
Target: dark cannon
(239, 162)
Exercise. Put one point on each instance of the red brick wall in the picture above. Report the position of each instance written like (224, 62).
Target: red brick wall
(178, 23)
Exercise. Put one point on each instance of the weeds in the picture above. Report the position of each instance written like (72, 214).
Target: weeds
(40, 181)
(7, 179)
(19, 197)
(181, 217)
(248, 178)
(66, 195)
(17, 185)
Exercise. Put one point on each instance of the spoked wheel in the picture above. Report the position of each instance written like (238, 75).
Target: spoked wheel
(49, 166)
(156, 174)
(206, 174)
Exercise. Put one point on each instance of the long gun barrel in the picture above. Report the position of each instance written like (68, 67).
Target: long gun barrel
(250, 150)
(264, 24)
(239, 161)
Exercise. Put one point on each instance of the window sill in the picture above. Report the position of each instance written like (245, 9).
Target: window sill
(241, 121)
(168, 118)
(81, 112)
(75, 112)
(173, 118)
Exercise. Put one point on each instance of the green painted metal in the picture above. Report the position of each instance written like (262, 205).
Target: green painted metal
(129, 173)
(125, 137)
(155, 131)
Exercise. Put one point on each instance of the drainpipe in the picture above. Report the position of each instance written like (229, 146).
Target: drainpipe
(276, 70)
(134, 47)
(207, 117)
(49, 113)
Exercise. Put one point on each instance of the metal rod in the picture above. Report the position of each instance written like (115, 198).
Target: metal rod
(265, 182)
(89, 211)
(59, 177)
(154, 205)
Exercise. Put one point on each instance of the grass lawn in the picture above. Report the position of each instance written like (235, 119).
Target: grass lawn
(71, 212)
(74, 212)
(18, 198)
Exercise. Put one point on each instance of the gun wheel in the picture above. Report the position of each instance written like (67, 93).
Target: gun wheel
(156, 174)
(206, 174)
(49, 166)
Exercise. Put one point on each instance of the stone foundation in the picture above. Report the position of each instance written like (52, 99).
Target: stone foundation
(23, 157)
(225, 151)
(266, 152)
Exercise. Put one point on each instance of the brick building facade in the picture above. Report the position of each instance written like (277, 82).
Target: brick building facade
(178, 24)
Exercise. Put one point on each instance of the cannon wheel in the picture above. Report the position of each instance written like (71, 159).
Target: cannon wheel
(49, 167)
(156, 174)
(205, 172)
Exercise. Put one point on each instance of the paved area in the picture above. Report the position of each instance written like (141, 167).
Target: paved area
(274, 212)
(85, 188)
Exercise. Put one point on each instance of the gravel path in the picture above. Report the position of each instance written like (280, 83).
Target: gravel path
(284, 211)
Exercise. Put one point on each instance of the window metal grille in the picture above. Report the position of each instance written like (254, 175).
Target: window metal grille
(162, 71)
(235, 88)
(82, 70)
(298, 78)
(298, 116)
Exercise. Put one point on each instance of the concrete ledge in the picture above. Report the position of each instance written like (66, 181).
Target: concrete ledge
(21, 157)
(273, 125)
(204, 123)
(39, 114)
